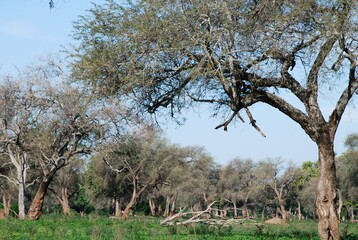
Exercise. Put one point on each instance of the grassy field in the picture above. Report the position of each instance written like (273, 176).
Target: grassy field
(95, 227)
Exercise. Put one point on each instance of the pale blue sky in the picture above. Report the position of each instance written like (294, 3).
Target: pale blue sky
(29, 30)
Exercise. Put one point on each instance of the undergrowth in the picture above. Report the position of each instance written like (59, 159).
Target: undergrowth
(95, 228)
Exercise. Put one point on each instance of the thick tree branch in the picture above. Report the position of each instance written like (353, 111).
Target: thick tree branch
(283, 106)
(343, 101)
(312, 80)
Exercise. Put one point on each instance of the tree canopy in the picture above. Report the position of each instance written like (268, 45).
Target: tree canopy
(231, 54)
(168, 55)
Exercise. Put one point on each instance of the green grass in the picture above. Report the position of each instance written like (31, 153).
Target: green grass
(95, 227)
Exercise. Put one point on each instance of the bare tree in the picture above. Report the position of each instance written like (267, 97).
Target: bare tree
(18, 107)
(230, 55)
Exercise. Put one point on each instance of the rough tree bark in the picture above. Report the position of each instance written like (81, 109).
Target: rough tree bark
(327, 193)
(35, 210)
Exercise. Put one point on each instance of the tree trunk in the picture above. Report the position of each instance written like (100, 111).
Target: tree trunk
(35, 210)
(352, 213)
(21, 199)
(167, 205)
(7, 204)
(340, 204)
(326, 193)
(135, 196)
(263, 213)
(129, 206)
(300, 217)
(117, 208)
(159, 208)
(152, 207)
(283, 211)
(235, 209)
(172, 209)
(64, 201)
(245, 211)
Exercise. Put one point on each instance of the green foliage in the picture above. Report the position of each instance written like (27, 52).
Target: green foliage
(310, 168)
(80, 202)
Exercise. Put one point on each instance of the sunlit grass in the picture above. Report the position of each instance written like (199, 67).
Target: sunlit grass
(95, 227)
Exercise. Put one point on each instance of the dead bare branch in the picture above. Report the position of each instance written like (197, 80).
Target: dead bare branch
(197, 217)
(253, 122)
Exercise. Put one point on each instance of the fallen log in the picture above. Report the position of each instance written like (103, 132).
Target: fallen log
(197, 217)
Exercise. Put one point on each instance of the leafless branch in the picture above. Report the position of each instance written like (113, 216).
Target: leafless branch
(33, 182)
(112, 168)
(226, 123)
(197, 218)
(253, 122)
(9, 179)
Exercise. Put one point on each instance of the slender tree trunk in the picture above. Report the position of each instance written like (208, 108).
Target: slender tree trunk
(135, 196)
(152, 207)
(129, 206)
(340, 204)
(245, 211)
(117, 208)
(7, 204)
(300, 217)
(35, 210)
(235, 209)
(172, 209)
(21, 200)
(167, 205)
(326, 193)
(263, 213)
(283, 211)
(64, 201)
(352, 213)
(281, 203)
(19, 160)
(159, 208)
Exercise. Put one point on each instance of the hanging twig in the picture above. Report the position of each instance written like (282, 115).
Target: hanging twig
(253, 122)
(227, 122)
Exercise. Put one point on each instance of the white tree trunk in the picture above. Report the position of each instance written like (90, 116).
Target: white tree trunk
(21, 176)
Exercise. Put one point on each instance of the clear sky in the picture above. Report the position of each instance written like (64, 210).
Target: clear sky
(29, 30)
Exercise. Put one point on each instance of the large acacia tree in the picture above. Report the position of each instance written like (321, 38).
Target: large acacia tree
(230, 54)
